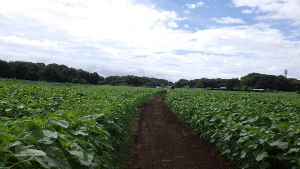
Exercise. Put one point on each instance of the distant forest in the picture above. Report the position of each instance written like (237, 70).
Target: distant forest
(62, 73)
(248, 82)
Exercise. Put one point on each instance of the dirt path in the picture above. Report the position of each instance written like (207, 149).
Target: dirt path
(161, 140)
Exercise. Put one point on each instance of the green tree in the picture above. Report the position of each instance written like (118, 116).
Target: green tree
(231, 83)
(283, 84)
(6, 70)
(250, 79)
(51, 73)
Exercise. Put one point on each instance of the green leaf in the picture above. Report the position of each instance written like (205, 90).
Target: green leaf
(263, 139)
(76, 150)
(16, 143)
(298, 142)
(89, 154)
(4, 137)
(279, 144)
(242, 139)
(251, 144)
(227, 138)
(51, 134)
(21, 106)
(243, 154)
(37, 133)
(81, 131)
(8, 109)
(42, 161)
(264, 165)
(61, 123)
(22, 147)
(293, 150)
(54, 151)
(30, 152)
(24, 135)
(87, 163)
(58, 162)
(45, 140)
(251, 120)
(64, 143)
(67, 137)
(260, 155)
(5, 150)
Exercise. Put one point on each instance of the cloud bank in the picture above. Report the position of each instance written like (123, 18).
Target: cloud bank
(129, 38)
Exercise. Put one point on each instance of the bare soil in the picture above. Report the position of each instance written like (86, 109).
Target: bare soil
(162, 140)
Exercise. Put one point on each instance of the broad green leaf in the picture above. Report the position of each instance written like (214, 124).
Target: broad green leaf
(242, 139)
(30, 152)
(51, 134)
(21, 106)
(298, 142)
(89, 154)
(54, 151)
(251, 120)
(61, 123)
(81, 131)
(16, 143)
(9, 109)
(42, 161)
(87, 163)
(37, 133)
(279, 144)
(76, 150)
(260, 155)
(243, 154)
(264, 165)
(4, 150)
(67, 137)
(263, 139)
(4, 137)
(24, 135)
(19, 148)
(64, 143)
(227, 138)
(58, 162)
(46, 140)
(293, 150)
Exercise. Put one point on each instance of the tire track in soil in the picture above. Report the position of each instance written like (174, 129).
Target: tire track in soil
(162, 140)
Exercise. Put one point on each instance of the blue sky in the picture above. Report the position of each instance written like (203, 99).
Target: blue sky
(155, 38)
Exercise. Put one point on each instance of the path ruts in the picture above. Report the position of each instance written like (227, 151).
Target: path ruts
(161, 140)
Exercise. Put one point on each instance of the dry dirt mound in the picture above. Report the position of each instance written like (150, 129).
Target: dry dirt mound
(162, 140)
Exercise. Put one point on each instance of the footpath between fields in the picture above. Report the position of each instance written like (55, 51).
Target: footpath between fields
(162, 140)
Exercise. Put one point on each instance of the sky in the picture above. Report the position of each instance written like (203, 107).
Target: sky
(168, 39)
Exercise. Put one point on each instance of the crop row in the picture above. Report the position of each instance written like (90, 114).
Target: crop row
(256, 130)
(66, 126)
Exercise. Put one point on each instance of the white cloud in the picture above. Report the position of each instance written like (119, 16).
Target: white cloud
(120, 38)
(186, 26)
(247, 11)
(200, 3)
(186, 11)
(193, 6)
(274, 9)
(228, 20)
(45, 44)
(172, 24)
(120, 18)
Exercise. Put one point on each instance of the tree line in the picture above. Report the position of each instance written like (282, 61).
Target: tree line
(62, 73)
(248, 82)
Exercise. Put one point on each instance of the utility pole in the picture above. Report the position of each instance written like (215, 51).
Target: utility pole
(285, 73)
